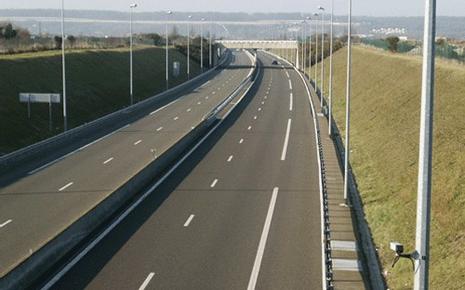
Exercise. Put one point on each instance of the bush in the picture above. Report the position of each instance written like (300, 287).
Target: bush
(393, 43)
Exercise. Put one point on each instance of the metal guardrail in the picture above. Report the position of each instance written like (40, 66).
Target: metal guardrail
(247, 81)
(27, 152)
(364, 237)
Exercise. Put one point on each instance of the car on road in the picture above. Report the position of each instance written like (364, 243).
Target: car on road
(275, 62)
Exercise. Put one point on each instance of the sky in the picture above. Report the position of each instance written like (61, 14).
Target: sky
(360, 7)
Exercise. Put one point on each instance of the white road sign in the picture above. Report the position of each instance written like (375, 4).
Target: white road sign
(39, 98)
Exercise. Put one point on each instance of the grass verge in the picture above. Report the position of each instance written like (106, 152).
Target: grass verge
(384, 138)
(97, 84)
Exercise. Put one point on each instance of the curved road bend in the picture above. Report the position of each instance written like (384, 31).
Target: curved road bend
(243, 212)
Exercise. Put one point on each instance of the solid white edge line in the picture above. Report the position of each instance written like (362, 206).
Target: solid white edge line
(315, 122)
(98, 140)
(286, 140)
(165, 106)
(159, 129)
(291, 102)
(241, 141)
(149, 191)
(77, 150)
(66, 186)
(230, 158)
(263, 239)
(5, 223)
(146, 281)
(290, 84)
(189, 219)
(137, 142)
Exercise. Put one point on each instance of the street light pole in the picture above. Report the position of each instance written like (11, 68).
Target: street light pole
(210, 44)
(188, 47)
(348, 92)
(304, 45)
(330, 95)
(316, 53)
(63, 62)
(166, 51)
(322, 86)
(421, 276)
(131, 82)
(309, 48)
(201, 43)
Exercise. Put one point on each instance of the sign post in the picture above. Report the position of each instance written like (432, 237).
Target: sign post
(40, 98)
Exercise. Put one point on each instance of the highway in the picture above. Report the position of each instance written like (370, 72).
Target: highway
(241, 212)
(37, 207)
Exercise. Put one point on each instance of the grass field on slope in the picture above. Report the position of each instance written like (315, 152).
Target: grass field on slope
(97, 84)
(385, 134)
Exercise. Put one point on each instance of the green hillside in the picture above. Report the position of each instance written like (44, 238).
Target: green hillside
(385, 134)
(98, 84)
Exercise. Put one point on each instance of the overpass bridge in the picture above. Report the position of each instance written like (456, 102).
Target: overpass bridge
(289, 47)
(259, 44)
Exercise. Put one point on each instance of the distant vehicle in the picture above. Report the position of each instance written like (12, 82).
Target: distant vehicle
(275, 62)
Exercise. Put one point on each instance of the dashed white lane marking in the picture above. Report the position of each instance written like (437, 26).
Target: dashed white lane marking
(230, 158)
(147, 281)
(188, 110)
(290, 84)
(291, 102)
(263, 239)
(241, 141)
(206, 98)
(249, 128)
(108, 160)
(159, 129)
(66, 186)
(199, 103)
(287, 74)
(255, 117)
(286, 140)
(176, 118)
(214, 183)
(191, 217)
(140, 141)
(263, 103)
(266, 97)
(259, 109)
(5, 223)
(213, 92)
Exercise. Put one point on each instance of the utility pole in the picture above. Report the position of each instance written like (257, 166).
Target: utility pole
(421, 275)
(348, 92)
(63, 62)
(131, 82)
(330, 96)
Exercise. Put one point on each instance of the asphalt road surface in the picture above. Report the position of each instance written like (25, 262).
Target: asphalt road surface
(36, 208)
(242, 212)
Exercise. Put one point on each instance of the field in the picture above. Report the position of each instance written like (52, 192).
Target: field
(385, 133)
(97, 84)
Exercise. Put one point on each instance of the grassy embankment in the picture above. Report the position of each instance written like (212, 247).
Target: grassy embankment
(97, 84)
(385, 133)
